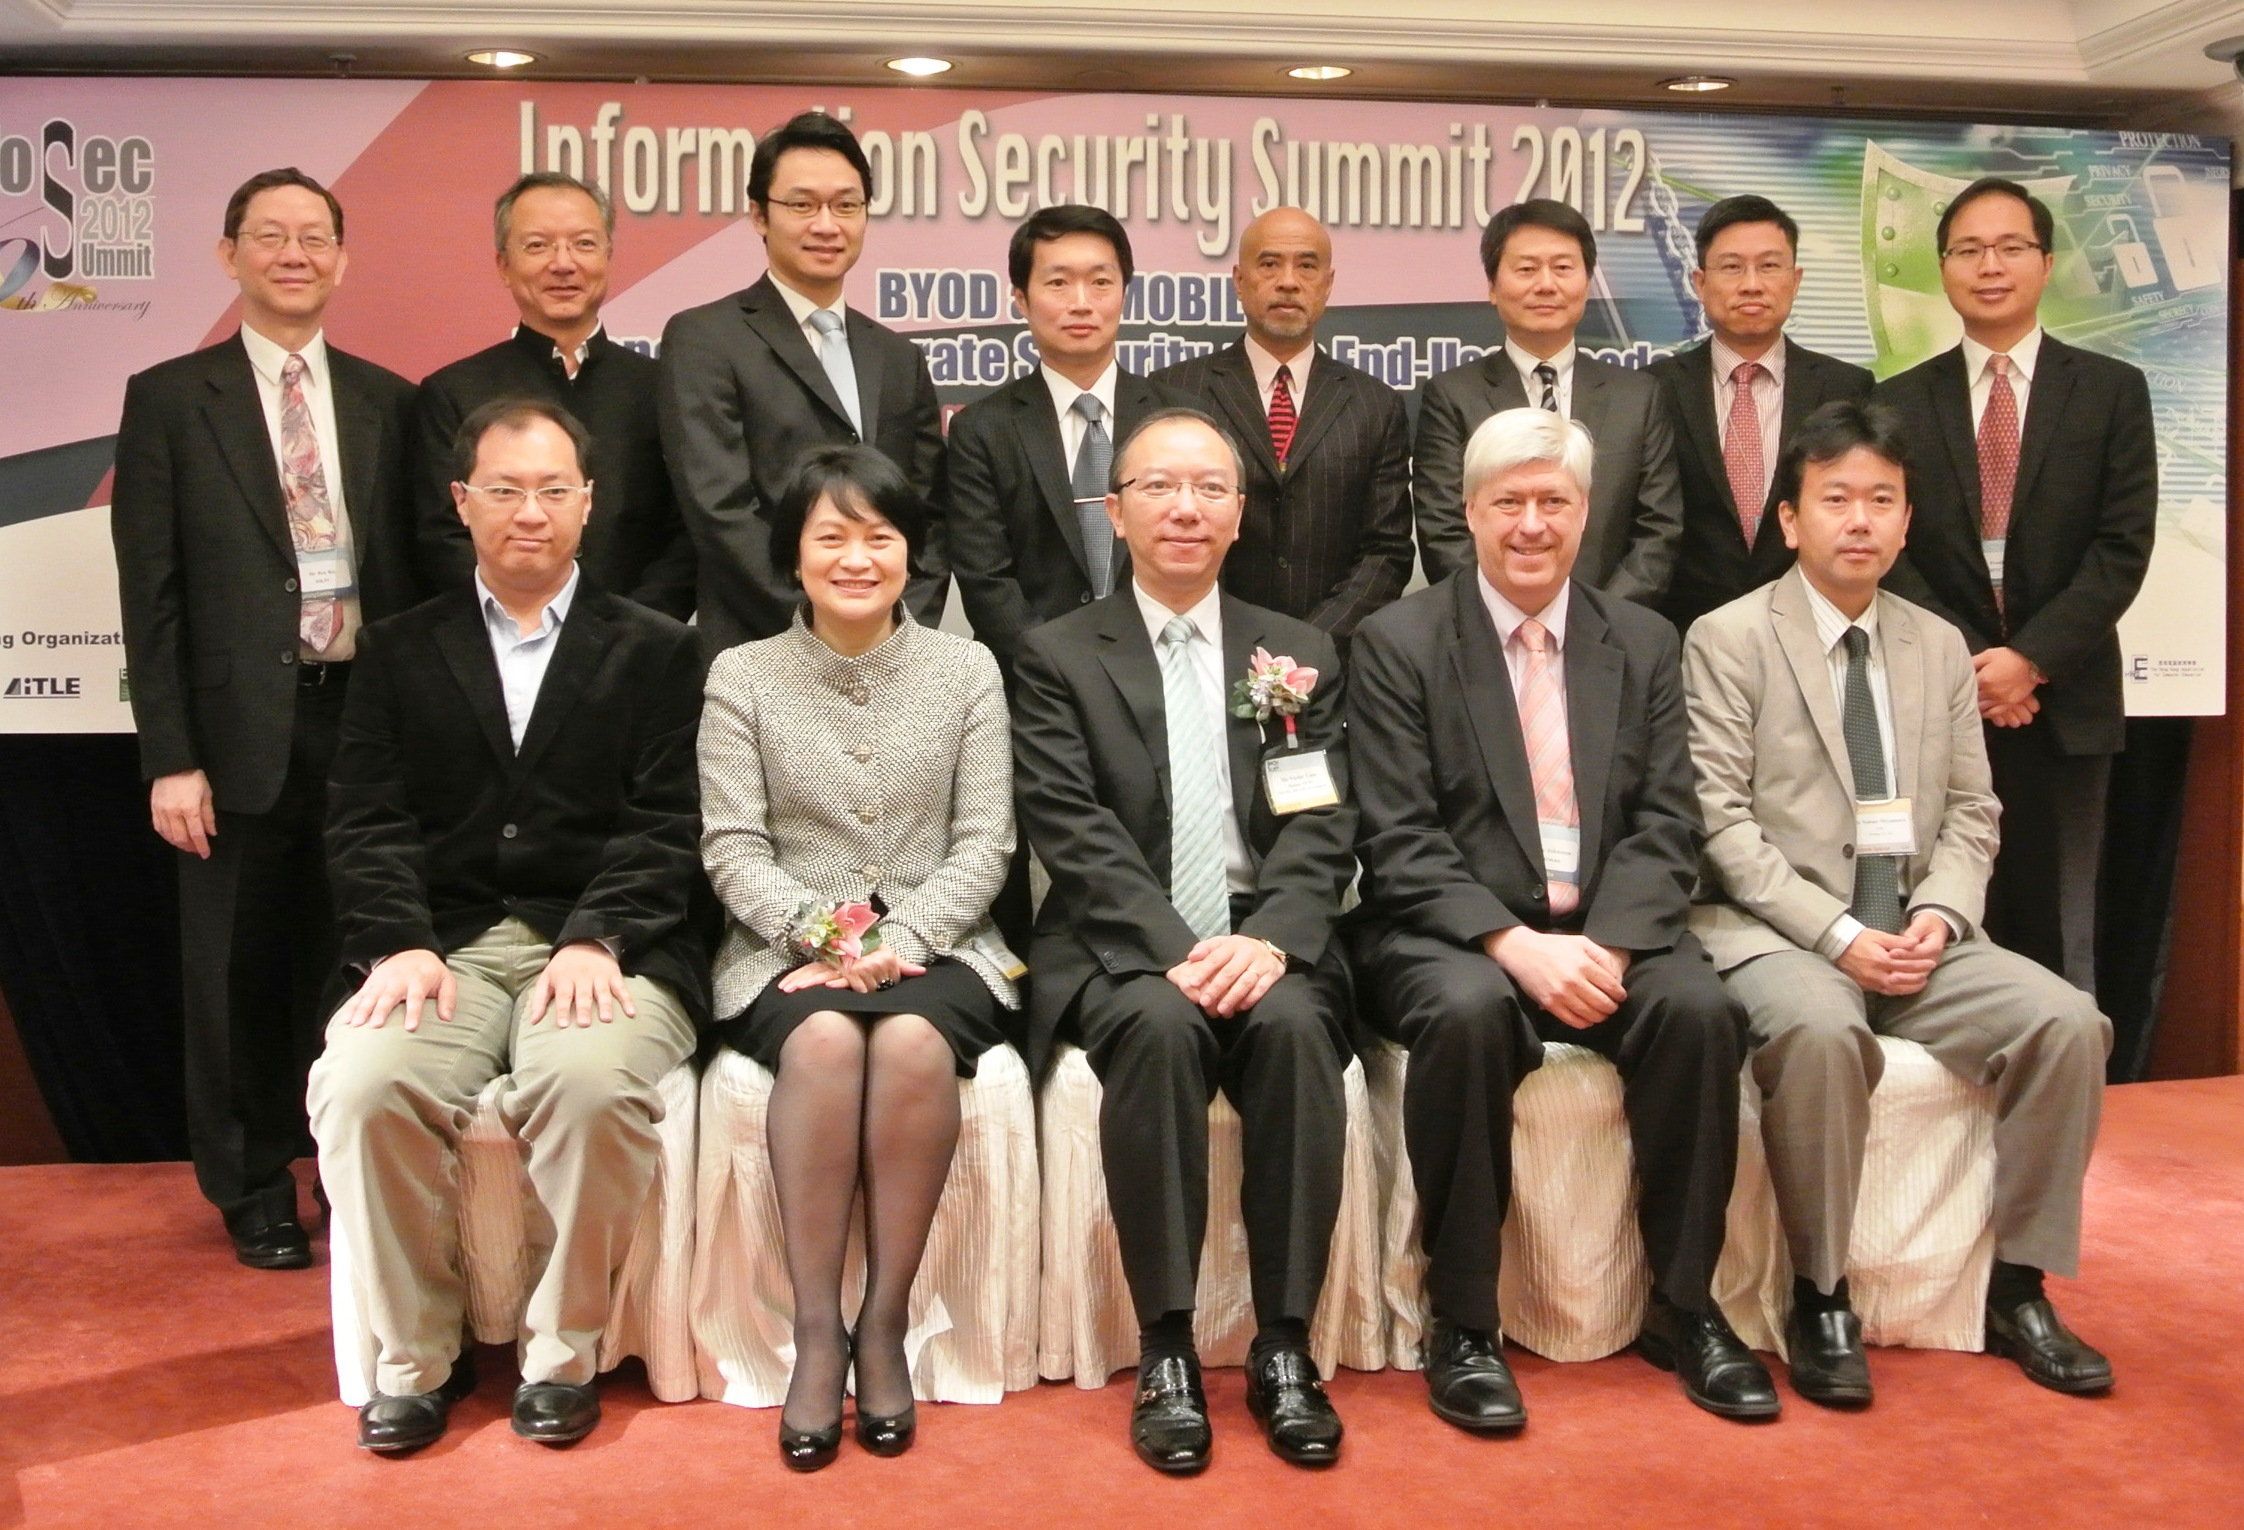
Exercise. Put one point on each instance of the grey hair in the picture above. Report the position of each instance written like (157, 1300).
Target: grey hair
(1516, 437)
(548, 180)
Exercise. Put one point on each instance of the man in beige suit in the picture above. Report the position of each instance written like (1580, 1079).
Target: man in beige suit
(1850, 831)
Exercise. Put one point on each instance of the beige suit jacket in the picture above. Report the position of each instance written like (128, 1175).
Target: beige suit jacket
(1776, 787)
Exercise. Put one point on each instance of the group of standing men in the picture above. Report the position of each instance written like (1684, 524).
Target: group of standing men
(1525, 759)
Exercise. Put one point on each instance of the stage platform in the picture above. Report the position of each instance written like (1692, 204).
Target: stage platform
(148, 1380)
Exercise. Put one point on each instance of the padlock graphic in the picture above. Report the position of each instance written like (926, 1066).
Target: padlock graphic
(2129, 254)
(2190, 220)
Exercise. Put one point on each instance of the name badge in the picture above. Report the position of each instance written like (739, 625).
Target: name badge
(1885, 828)
(1562, 851)
(992, 948)
(324, 573)
(1992, 548)
(1296, 780)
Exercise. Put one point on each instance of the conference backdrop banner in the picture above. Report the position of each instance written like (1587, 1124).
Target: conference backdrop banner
(111, 193)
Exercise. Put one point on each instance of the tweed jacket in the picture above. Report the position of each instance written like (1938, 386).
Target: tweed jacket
(888, 776)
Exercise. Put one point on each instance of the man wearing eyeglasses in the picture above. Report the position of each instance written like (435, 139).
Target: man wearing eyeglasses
(555, 236)
(2036, 487)
(260, 519)
(753, 380)
(1735, 399)
(514, 840)
(1197, 859)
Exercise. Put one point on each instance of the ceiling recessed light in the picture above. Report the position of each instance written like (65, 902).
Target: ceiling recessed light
(1692, 84)
(1319, 72)
(920, 68)
(501, 58)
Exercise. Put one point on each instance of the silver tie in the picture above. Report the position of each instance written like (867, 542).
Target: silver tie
(1197, 885)
(841, 367)
(1094, 459)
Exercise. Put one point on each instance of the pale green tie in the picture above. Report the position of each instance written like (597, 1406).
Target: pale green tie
(1197, 885)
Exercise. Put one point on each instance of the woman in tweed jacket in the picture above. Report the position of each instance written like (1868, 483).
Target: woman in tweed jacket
(857, 757)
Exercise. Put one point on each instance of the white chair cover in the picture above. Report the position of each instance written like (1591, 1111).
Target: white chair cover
(973, 1305)
(647, 1315)
(1090, 1330)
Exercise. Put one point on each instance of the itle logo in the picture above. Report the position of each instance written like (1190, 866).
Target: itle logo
(92, 215)
(40, 687)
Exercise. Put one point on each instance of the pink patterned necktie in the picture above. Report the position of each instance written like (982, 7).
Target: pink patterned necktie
(1998, 455)
(1550, 762)
(311, 517)
(1742, 456)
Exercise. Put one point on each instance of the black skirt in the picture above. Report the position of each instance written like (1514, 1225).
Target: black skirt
(950, 995)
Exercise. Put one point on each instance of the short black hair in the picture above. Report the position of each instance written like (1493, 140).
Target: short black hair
(805, 130)
(1831, 432)
(863, 484)
(237, 205)
(502, 214)
(1049, 223)
(1732, 211)
(1535, 212)
(1169, 415)
(515, 414)
(2045, 224)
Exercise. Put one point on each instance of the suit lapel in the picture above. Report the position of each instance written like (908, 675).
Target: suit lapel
(2045, 408)
(1232, 383)
(577, 655)
(769, 316)
(358, 437)
(1242, 735)
(1327, 402)
(1907, 686)
(1486, 680)
(1701, 428)
(466, 647)
(1505, 390)
(1951, 402)
(1593, 718)
(1039, 425)
(236, 414)
(1811, 668)
(1589, 401)
(865, 357)
(1128, 657)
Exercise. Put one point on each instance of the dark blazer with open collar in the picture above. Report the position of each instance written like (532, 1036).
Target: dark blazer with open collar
(742, 397)
(207, 573)
(1448, 837)
(1091, 764)
(438, 827)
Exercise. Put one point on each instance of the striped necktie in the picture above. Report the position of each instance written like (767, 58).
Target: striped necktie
(1197, 884)
(1282, 416)
(1547, 375)
(1550, 756)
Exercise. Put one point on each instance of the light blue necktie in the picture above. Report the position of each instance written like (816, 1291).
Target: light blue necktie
(1197, 884)
(1094, 459)
(833, 354)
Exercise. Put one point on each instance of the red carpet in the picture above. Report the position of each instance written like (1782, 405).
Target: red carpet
(145, 1379)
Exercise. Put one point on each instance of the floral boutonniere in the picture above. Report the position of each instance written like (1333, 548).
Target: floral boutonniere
(835, 932)
(1275, 686)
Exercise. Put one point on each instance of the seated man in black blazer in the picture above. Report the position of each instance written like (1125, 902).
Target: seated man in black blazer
(512, 835)
(1530, 836)
(1197, 859)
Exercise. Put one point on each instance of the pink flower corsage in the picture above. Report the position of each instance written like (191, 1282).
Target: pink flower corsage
(836, 932)
(1275, 687)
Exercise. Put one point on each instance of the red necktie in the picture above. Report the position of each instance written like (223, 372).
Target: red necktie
(1998, 456)
(1742, 457)
(1282, 416)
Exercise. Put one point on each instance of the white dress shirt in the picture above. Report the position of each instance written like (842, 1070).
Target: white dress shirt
(2023, 355)
(523, 657)
(1205, 650)
(1528, 361)
(802, 308)
(1064, 395)
(266, 358)
(1266, 367)
(1768, 403)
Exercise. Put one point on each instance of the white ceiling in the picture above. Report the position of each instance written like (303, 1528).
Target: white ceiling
(2098, 62)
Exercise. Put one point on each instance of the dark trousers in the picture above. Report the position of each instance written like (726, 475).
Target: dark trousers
(2041, 900)
(1678, 1041)
(1161, 1060)
(257, 944)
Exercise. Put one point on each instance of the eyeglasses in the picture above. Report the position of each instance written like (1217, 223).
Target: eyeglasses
(507, 496)
(1206, 491)
(584, 247)
(2008, 251)
(844, 209)
(1735, 270)
(274, 240)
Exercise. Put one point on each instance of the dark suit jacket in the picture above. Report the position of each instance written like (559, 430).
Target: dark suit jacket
(1326, 538)
(1014, 542)
(1091, 770)
(742, 397)
(207, 574)
(1713, 566)
(438, 829)
(2082, 518)
(1636, 500)
(1448, 840)
(634, 543)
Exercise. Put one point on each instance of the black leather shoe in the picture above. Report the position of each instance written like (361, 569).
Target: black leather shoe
(2048, 1352)
(1169, 1418)
(806, 1450)
(280, 1245)
(887, 1434)
(554, 1412)
(1287, 1398)
(1468, 1382)
(1717, 1371)
(391, 1426)
(1828, 1365)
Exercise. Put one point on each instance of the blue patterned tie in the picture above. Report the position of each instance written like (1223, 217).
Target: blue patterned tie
(833, 354)
(1197, 885)
(1094, 459)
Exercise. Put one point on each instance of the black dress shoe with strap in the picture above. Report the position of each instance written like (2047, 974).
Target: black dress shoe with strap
(555, 1412)
(1716, 1369)
(1467, 1382)
(391, 1426)
(275, 1245)
(2048, 1352)
(1828, 1365)
(1287, 1398)
(1169, 1418)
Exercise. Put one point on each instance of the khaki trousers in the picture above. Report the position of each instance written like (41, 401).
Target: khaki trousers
(388, 1109)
